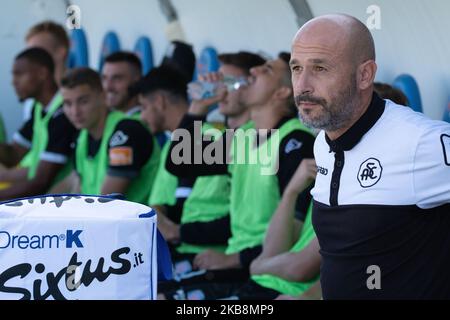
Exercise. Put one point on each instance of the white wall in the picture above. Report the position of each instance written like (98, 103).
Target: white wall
(231, 25)
(224, 24)
(130, 19)
(413, 39)
(15, 19)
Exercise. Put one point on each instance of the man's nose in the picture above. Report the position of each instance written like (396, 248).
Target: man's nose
(303, 84)
(76, 110)
(107, 84)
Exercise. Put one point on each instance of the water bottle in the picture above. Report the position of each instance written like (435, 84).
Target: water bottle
(199, 90)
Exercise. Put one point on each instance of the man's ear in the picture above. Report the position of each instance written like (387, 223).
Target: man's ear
(62, 54)
(366, 74)
(160, 101)
(140, 97)
(42, 73)
(283, 93)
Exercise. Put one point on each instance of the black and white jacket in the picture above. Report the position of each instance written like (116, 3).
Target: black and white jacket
(382, 206)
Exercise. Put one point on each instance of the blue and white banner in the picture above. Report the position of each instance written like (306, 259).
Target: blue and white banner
(77, 247)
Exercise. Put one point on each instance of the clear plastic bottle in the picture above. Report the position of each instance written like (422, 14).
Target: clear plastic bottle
(199, 90)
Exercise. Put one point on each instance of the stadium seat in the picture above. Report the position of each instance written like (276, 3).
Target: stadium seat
(110, 45)
(408, 85)
(78, 55)
(144, 50)
(208, 62)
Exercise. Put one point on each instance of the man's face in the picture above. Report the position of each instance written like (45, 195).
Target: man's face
(264, 81)
(27, 79)
(117, 77)
(232, 106)
(83, 106)
(152, 112)
(46, 41)
(324, 81)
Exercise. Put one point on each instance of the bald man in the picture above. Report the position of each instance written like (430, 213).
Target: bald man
(382, 192)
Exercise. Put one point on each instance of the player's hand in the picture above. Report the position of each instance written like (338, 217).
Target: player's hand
(303, 177)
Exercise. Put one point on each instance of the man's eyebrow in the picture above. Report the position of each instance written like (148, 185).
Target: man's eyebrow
(315, 60)
(318, 61)
(83, 96)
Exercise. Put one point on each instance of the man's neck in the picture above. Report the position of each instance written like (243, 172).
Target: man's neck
(239, 120)
(364, 105)
(267, 117)
(177, 113)
(46, 95)
(97, 131)
(129, 105)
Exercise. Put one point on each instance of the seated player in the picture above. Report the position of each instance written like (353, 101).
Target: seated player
(113, 153)
(40, 152)
(121, 71)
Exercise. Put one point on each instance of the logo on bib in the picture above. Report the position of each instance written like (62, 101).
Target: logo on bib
(369, 173)
(121, 156)
(119, 138)
(292, 145)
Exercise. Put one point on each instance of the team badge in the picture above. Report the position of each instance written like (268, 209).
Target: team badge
(370, 173)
